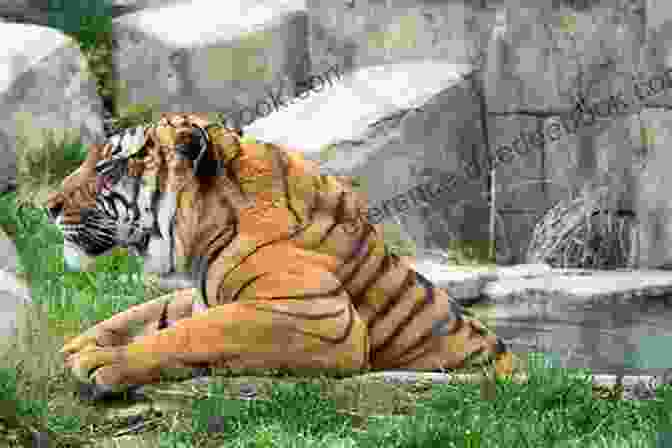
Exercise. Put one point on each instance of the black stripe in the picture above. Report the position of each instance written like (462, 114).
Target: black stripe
(417, 308)
(346, 333)
(456, 314)
(338, 217)
(201, 265)
(163, 320)
(232, 174)
(432, 334)
(408, 283)
(202, 273)
(400, 362)
(337, 340)
(280, 158)
(199, 272)
(362, 260)
(429, 287)
(326, 315)
(317, 202)
(246, 284)
(383, 268)
(262, 245)
(171, 232)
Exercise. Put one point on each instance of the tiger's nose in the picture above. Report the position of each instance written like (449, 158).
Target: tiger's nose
(53, 212)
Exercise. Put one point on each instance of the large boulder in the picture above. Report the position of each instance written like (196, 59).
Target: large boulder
(405, 130)
(45, 85)
(14, 293)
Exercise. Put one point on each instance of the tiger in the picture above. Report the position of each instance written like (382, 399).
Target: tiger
(287, 272)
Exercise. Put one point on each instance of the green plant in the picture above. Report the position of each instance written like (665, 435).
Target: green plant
(89, 23)
(136, 114)
(43, 159)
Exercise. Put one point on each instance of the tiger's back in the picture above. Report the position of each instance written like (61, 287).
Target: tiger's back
(411, 324)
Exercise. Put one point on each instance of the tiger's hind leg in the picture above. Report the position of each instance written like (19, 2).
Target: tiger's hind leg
(136, 321)
(302, 333)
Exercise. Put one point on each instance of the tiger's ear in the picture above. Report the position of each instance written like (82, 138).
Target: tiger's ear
(196, 148)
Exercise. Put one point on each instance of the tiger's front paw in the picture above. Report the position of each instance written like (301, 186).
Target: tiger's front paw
(85, 364)
(90, 339)
(114, 367)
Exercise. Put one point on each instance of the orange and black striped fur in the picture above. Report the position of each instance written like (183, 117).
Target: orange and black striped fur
(288, 272)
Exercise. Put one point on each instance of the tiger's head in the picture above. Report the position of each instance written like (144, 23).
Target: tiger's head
(125, 193)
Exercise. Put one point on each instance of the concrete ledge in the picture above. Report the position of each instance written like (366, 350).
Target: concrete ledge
(368, 94)
(533, 282)
(581, 285)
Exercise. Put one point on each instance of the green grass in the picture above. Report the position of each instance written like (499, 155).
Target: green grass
(36, 394)
(550, 410)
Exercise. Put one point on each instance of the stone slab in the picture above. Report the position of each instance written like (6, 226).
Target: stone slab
(581, 285)
(368, 94)
(534, 282)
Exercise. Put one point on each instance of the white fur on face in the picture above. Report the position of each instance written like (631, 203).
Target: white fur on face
(158, 258)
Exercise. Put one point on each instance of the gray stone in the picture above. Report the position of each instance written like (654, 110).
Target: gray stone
(8, 254)
(654, 204)
(44, 85)
(13, 295)
(575, 285)
(229, 61)
(13, 292)
(396, 127)
(363, 33)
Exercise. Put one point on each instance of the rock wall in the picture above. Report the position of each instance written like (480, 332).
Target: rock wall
(532, 60)
(538, 59)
